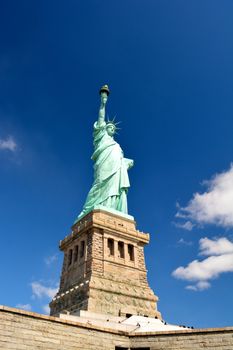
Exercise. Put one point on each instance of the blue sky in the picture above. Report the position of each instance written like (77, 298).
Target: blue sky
(169, 67)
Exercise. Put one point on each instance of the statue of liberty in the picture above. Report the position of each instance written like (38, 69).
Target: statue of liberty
(111, 181)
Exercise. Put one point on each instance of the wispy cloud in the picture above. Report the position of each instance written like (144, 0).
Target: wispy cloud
(50, 259)
(46, 309)
(26, 307)
(40, 291)
(215, 206)
(188, 225)
(8, 144)
(219, 260)
(182, 241)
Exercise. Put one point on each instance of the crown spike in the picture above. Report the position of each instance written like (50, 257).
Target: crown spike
(109, 121)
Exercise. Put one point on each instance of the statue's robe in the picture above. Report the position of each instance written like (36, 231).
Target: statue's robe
(111, 180)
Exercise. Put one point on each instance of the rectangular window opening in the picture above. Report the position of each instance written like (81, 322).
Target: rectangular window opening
(131, 252)
(76, 253)
(70, 257)
(121, 252)
(82, 249)
(110, 247)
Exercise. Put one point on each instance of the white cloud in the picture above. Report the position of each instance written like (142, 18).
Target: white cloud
(219, 260)
(209, 268)
(50, 259)
(215, 206)
(8, 144)
(46, 309)
(200, 286)
(26, 307)
(215, 247)
(40, 291)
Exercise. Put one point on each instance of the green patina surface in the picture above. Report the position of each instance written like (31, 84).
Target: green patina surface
(111, 181)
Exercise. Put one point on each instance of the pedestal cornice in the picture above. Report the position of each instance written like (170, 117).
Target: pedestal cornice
(102, 219)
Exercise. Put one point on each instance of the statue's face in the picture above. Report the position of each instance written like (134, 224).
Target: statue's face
(104, 97)
(111, 129)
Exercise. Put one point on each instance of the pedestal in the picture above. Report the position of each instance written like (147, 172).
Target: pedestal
(104, 268)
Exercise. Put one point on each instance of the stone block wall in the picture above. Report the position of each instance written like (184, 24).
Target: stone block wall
(22, 330)
(195, 339)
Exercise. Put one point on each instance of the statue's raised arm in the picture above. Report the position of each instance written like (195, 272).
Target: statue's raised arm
(104, 92)
(111, 182)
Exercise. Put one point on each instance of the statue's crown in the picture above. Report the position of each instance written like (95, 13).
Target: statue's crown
(113, 123)
(105, 88)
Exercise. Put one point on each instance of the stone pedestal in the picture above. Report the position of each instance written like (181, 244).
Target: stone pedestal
(104, 268)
